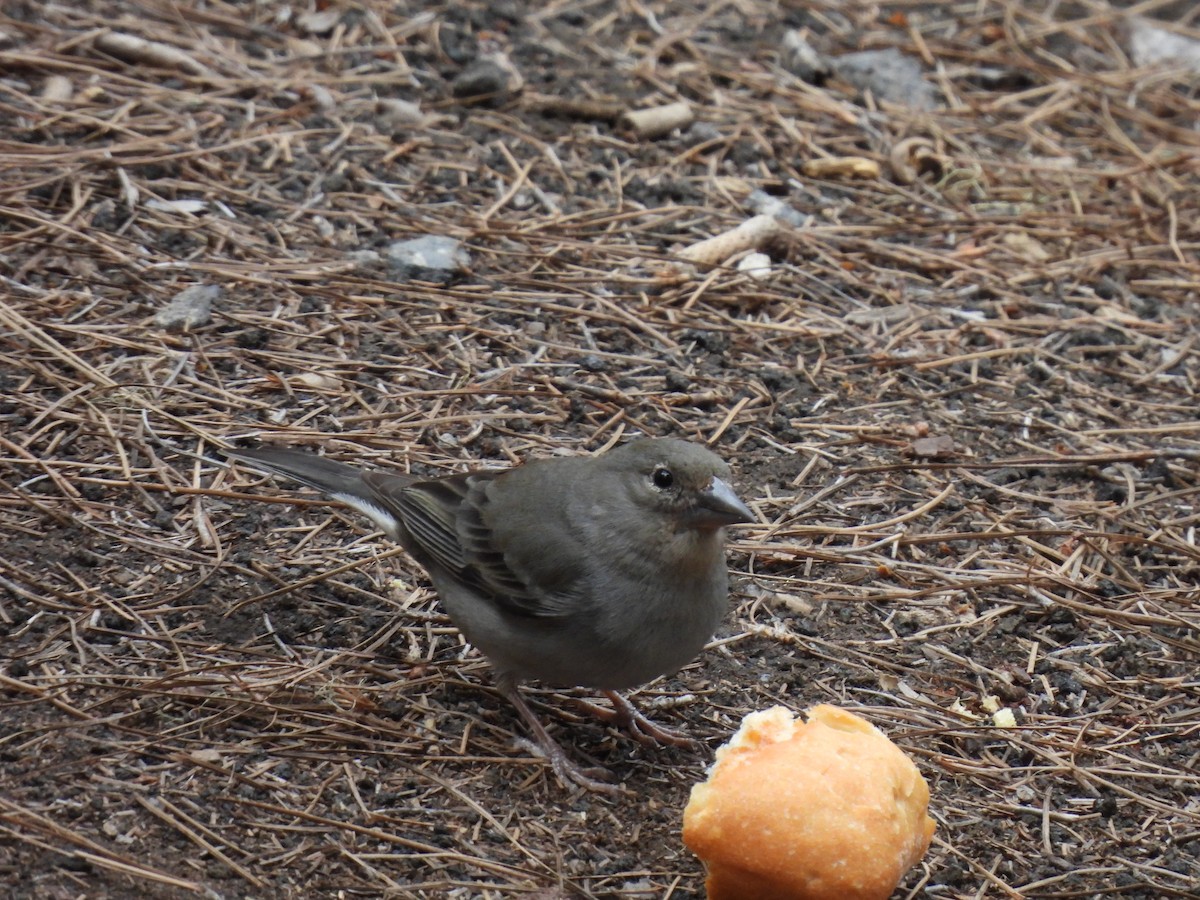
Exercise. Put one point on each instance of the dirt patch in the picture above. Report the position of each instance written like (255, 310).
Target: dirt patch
(965, 408)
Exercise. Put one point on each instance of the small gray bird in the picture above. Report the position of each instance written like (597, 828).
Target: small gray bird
(602, 572)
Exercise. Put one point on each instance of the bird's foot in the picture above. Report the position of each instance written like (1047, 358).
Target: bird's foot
(591, 779)
(643, 730)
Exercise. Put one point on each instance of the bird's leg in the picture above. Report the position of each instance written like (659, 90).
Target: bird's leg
(625, 715)
(568, 773)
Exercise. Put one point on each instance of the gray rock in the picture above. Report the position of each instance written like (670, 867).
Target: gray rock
(429, 258)
(889, 75)
(191, 308)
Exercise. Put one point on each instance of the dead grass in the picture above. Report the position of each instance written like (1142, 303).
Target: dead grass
(965, 408)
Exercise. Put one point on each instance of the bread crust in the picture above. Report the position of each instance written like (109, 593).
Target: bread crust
(828, 809)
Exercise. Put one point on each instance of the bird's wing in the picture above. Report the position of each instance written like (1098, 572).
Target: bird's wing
(429, 510)
(448, 522)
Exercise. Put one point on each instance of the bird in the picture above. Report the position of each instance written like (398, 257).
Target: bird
(602, 572)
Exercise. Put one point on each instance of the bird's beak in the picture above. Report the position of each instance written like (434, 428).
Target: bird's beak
(720, 506)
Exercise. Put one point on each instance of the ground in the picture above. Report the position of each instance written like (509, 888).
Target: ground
(962, 402)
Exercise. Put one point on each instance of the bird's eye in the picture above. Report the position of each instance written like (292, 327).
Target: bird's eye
(663, 478)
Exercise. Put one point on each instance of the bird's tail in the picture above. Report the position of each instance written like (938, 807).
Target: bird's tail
(326, 475)
(343, 483)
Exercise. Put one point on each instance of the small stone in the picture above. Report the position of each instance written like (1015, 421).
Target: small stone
(1150, 46)
(428, 258)
(889, 75)
(702, 133)
(593, 363)
(191, 308)
(492, 77)
(756, 265)
(763, 204)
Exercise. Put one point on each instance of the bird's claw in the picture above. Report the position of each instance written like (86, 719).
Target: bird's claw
(592, 778)
(642, 729)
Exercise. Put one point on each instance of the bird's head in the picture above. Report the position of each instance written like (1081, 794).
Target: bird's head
(684, 481)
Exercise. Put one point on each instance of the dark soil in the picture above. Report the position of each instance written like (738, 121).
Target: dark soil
(964, 407)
